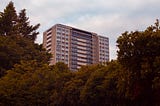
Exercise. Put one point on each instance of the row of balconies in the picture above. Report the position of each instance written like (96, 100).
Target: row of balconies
(62, 30)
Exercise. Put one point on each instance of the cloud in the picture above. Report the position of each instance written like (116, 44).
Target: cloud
(105, 17)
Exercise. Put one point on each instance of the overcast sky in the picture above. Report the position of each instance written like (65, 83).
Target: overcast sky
(105, 17)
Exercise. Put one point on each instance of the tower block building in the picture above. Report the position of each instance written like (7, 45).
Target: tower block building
(75, 47)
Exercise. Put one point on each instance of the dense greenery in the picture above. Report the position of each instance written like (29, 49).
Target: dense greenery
(12, 23)
(16, 40)
(26, 79)
(139, 54)
(15, 49)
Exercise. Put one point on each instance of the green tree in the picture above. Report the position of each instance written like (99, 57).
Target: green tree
(17, 39)
(61, 67)
(70, 94)
(13, 50)
(62, 76)
(25, 29)
(137, 53)
(101, 87)
(8, 20)
(27, 84)
(17, 25)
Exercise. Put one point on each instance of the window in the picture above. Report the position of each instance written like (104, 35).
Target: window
(58, 33)
(58, 46)
(67, 31)
(62, 57)
(58, 41)
(58, 49)
(59, 29)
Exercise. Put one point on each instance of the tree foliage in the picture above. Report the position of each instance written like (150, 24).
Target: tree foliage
(19, 25)
(138, 53)
(13, 50)
(25, 29)
(16, 37)
(30, 83)
(8, 20)
(100, 88)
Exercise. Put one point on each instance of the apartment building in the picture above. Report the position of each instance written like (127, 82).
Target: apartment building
(75, 47)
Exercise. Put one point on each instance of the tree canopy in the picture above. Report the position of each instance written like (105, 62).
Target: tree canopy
(138, 53)
(13, 50)
(12, 23)
(26, 78)
(17, 40)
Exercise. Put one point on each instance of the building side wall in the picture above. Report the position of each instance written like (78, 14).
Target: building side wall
(103, 49)
(62, 44)
(95, 49)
